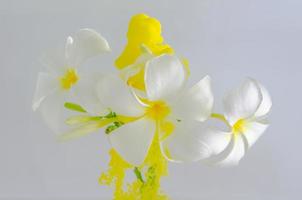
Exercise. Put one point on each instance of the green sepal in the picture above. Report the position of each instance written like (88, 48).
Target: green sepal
(74, 107)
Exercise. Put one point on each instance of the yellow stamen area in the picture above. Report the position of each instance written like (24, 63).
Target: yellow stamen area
(239, 126)
(69, 79)
(157, 110)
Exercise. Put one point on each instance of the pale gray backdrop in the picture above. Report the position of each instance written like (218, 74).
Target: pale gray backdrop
(227, 39)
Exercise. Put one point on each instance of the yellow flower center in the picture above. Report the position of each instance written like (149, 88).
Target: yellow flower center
(239, 126)
(69, 79)
(158, 110)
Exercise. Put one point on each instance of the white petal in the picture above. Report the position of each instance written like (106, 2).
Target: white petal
(54, 60)
(164, 76)
(242, 102)
(185, 144)
(86, 93)
(46, 85)
(238, 151)
(116, 95)
(84, 44)
(232, 154)
(253, 131)
(129, 71)
(266, 102)
(53, 111)
(139, 64)
(132, 140)
(195, 103)
(216, 140)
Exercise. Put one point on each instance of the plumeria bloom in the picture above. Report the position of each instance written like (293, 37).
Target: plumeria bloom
(246, 109)
(163, 113)
(63, 78)
(134, 74)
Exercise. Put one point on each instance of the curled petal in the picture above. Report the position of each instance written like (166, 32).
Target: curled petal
(84, 44)
(132, 140)
(253, 131)
(114, 94)
(216, 140)
(266, 102)
(195, 103)
(242, 102)
(185, 144)
(232, 154)
(164, 76)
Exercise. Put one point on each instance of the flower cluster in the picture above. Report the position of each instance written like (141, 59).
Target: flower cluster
(146, 109)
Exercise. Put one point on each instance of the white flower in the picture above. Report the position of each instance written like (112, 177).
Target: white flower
(133, 74)
(63, 79)
(138, 65)
(246, 109)
(166, 112)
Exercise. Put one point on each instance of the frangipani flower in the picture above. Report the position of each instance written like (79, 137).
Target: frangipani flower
(134, 74)
(246, 109)
(63, 79)
(148, 114)
(167, 105)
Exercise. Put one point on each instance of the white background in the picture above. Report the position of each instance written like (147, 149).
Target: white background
(227, 39)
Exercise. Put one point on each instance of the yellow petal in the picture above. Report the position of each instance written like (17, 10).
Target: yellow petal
(137, 81)
(142, 30)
